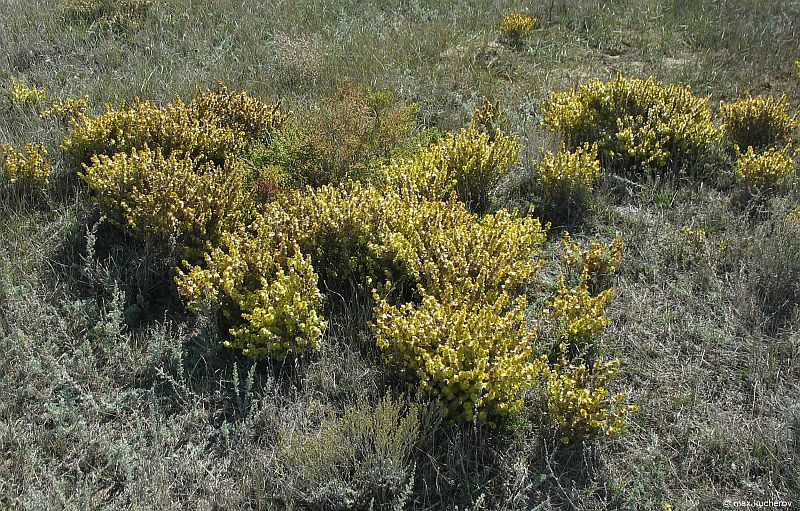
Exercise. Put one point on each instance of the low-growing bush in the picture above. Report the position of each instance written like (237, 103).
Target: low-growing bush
(23, 94)
(267, 293)
(65, 110)
(515, 27)
(562, 182)
(25, 170)
(473, 355)
(758, 121)
(216, 125)
(167, 198)
(639, 125)
(596, 263)
(765, 170)
(579, 318)
(349, 137)
(108, 13)
(579, 405)
(467, 165)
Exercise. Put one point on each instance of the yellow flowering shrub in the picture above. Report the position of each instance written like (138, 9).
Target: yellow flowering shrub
(579, 317)
(597, 262)
(467, 165)
(24, 94)
(217, 124)
(639, 125)
(267, 291)
(563, 181)
(766, 169)
(161, 197)
(578, 403)
(65, 109)
(485, 116)
(758, 121)
(516, 26)
(28, 169)
(474, 355)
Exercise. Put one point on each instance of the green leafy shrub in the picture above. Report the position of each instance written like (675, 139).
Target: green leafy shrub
(24, 94)
(758, 121)
(349, 136)
(638, 125)
(765, 170)
(266, 291)
(515, 27)
(596, 263)
(173, 197)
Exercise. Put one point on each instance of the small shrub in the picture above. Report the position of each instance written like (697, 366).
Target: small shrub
(765, 170)
(467, 165)
(361, 460)
(579, 317)
(66, 110)
(24, 94)
(515, 27)
(597, 263)
(473, 355)
(349, 137)
(25, 170)
(173, 197)
(758, 121)
(638, 125)
(267, 292)
(578, 403)
(563, 181)
(217, 124)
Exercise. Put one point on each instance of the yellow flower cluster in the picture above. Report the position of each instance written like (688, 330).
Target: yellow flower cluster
(758, 121)
(639, 125)
(597, 262)
(696, 238)
(566, 178)
(266, 289)
(467, 165)
(66, 109)
(475, 355)
(485, 115)
(216, 125)
(579, 404)
(22, 93)
(579, 316)
(516, 26)
(162, 197)
(766, 169)
(28, 169)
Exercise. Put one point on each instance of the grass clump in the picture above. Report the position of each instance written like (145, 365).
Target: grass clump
(360, 460)
(758, 121)
(640, 126)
